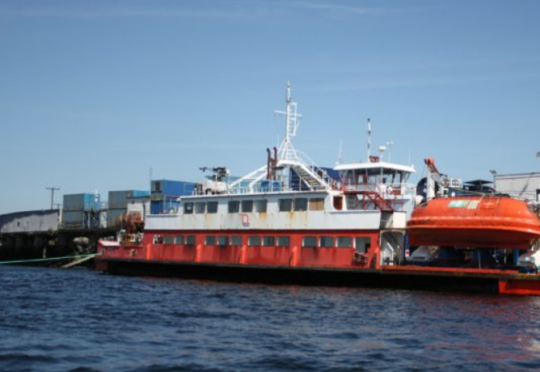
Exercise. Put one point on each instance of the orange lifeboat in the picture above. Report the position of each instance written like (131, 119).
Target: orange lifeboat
(477, 221)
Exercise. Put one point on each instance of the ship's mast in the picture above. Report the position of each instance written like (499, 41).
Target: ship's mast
(292, 122)
(368, 139)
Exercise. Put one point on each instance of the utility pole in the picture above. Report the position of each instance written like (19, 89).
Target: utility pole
(53, 189)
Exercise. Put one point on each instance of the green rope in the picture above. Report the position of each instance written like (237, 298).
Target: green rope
(48, 259)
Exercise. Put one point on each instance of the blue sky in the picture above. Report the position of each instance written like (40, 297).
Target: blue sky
(93, 94)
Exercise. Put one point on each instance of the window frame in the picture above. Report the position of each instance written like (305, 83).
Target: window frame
(232, 209)
(285, 202)
(189, 207)
(326, 243)
(212, 207)
(279, 241)
(252, 238)
(300, 204)
(310, 237)
(246, 206)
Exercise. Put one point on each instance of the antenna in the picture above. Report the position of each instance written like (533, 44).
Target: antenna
(389, 145)
(292, 120)
(53, 189)
(340, 152)
(368, 138)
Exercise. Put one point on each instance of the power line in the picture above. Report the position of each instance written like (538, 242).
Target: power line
(53, 189)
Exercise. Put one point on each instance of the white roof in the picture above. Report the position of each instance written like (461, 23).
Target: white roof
(375, 165)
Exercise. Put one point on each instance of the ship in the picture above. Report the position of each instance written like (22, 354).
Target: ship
(291, 221)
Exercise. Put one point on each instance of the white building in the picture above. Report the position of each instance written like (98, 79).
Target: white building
(522, 186)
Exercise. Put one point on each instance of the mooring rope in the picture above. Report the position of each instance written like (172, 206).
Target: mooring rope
(49, 259)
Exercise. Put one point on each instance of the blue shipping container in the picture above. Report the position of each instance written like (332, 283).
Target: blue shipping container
(172, 188)
(119, 199)
(72, 219)
(81, 202)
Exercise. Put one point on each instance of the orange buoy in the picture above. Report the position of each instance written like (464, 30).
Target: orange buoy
(474, 221)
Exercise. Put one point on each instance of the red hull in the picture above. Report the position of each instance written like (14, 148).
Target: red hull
(297, 264)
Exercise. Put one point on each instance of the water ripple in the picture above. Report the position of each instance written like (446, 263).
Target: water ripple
(83, 321)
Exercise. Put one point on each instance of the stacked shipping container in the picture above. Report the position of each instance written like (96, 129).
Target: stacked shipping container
(118, 205)
(80, 211)
(165, 194)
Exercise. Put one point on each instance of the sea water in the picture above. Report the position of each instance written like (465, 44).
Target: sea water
(83, 320)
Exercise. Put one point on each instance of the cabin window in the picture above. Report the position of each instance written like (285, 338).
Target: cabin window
(285, 205)
(234, 206)
(210, 240)
(269, 241)
(261, 206)
(300, 204)
(212, 207)
(309, 241)
(338, 203)
(362, 243)
(200, 207)
(327, 241)
(237, 240)
(223, 241)
(254, 241)
(316, 204)
(168, 240)
(158, 239)
(344, 242)
(188, 208)
(247, 206)
(179, 239)
(190, 240)
(283, 241)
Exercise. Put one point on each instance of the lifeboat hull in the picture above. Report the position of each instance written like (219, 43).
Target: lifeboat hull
(481, 222)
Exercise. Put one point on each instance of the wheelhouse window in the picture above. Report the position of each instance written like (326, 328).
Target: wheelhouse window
(309, 241)
(158, 239)
(254, 241)
(200, 207)
(338, 203)
(362, 243)
(234, 206)
(300, 204)
(261, 205)
(237, 240)
(285, 205)
(190, 240)
(344, 242)
(168, 240)
(316, 204)
(179, 239)
(212, 207)
(327, 241)
(210, 240)
(188, 208)
(268, 241)
(247, 206)
(283, 241)
(223, 241)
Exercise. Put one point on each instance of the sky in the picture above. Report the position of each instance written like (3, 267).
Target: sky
(104, 95)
